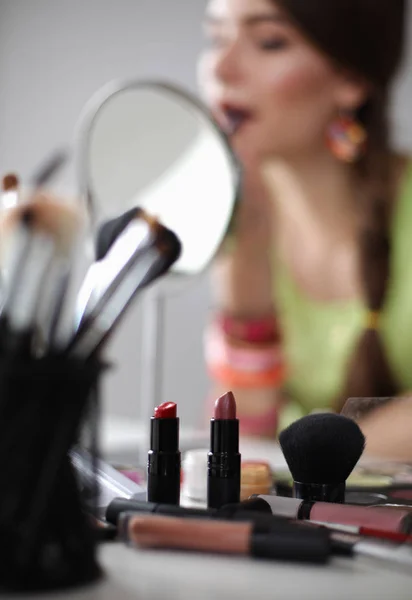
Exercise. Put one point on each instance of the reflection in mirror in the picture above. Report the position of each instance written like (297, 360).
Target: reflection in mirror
(152, 146)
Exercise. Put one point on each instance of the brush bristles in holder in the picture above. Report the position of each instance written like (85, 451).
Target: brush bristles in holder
(47, 538)
(320, 492)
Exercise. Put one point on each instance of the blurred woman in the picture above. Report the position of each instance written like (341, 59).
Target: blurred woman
(313, 288)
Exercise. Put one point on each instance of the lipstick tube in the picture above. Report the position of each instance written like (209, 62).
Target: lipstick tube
(268, 540)
(163, 466)
(224, 460)
(380, 518)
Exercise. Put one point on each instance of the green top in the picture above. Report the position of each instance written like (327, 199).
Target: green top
(319, 337)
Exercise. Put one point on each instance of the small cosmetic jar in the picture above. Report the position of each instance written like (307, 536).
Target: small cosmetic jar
(256, 478)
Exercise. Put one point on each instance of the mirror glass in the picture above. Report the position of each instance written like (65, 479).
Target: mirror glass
(152, 145)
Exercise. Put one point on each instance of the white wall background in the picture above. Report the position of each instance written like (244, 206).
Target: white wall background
(54, 54)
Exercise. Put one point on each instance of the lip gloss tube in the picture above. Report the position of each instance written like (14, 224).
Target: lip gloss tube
(380, 518)
(163, 467)
(224, 460)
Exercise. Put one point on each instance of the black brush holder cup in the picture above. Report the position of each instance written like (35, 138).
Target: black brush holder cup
(48, 540)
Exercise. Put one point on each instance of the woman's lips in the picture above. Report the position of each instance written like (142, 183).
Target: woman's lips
(231, 118)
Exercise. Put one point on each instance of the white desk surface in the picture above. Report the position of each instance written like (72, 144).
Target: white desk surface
(153, 575)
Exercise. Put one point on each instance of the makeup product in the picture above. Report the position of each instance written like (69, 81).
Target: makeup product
(10, 195)
(233, 512)
(142, 268)
(224, 460)
(346, 540)
(110, 230)
(256, 478)
(53, 295)
(364, 486)
(321, 451)
(392, 536)
(134, 239)
(163, 466)
(257, 511)
(32, 235)
(38, 238)
(399, 520)
(48, 169)
(278, 541)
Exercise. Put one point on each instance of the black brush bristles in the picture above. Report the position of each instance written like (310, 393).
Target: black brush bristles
(110, 230)
(321, 451)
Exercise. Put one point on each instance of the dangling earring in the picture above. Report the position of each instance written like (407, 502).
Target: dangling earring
(346, 138)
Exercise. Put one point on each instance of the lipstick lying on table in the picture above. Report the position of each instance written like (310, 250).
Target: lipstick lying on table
(255, 511)
(377, 518)
(163, 468)
(224, 461)
(271, 540)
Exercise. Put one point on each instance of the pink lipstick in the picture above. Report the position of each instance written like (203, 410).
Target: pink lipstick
(223, 477)
(377, 518)
(163, 467)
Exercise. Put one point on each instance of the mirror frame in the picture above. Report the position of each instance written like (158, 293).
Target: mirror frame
(87, 121)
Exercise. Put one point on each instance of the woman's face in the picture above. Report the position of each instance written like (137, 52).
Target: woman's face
(267, 86)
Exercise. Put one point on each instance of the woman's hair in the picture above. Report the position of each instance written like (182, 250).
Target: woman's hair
(367, 38)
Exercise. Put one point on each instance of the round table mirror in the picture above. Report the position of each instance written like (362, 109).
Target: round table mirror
(152, 145)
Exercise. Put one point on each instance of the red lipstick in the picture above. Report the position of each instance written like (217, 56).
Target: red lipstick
(167, 410)
(163, 466)
(223, 480)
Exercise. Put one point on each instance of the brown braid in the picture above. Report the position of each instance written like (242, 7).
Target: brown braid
(369, 372)
(366, 37)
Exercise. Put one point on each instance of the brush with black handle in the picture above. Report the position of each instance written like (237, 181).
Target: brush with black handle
(148, 258)
(321, 451)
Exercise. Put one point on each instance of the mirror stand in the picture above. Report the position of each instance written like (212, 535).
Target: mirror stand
(151, 354)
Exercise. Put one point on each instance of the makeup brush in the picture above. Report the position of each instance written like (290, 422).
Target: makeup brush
(42, 175)
(48, 169)
(321, 451)
(68, 227)
(38, 240)
(136, 236)
(142, 268)
(110, 230)
(10, 196)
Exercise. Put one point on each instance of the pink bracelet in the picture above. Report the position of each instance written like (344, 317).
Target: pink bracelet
(255, 330)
